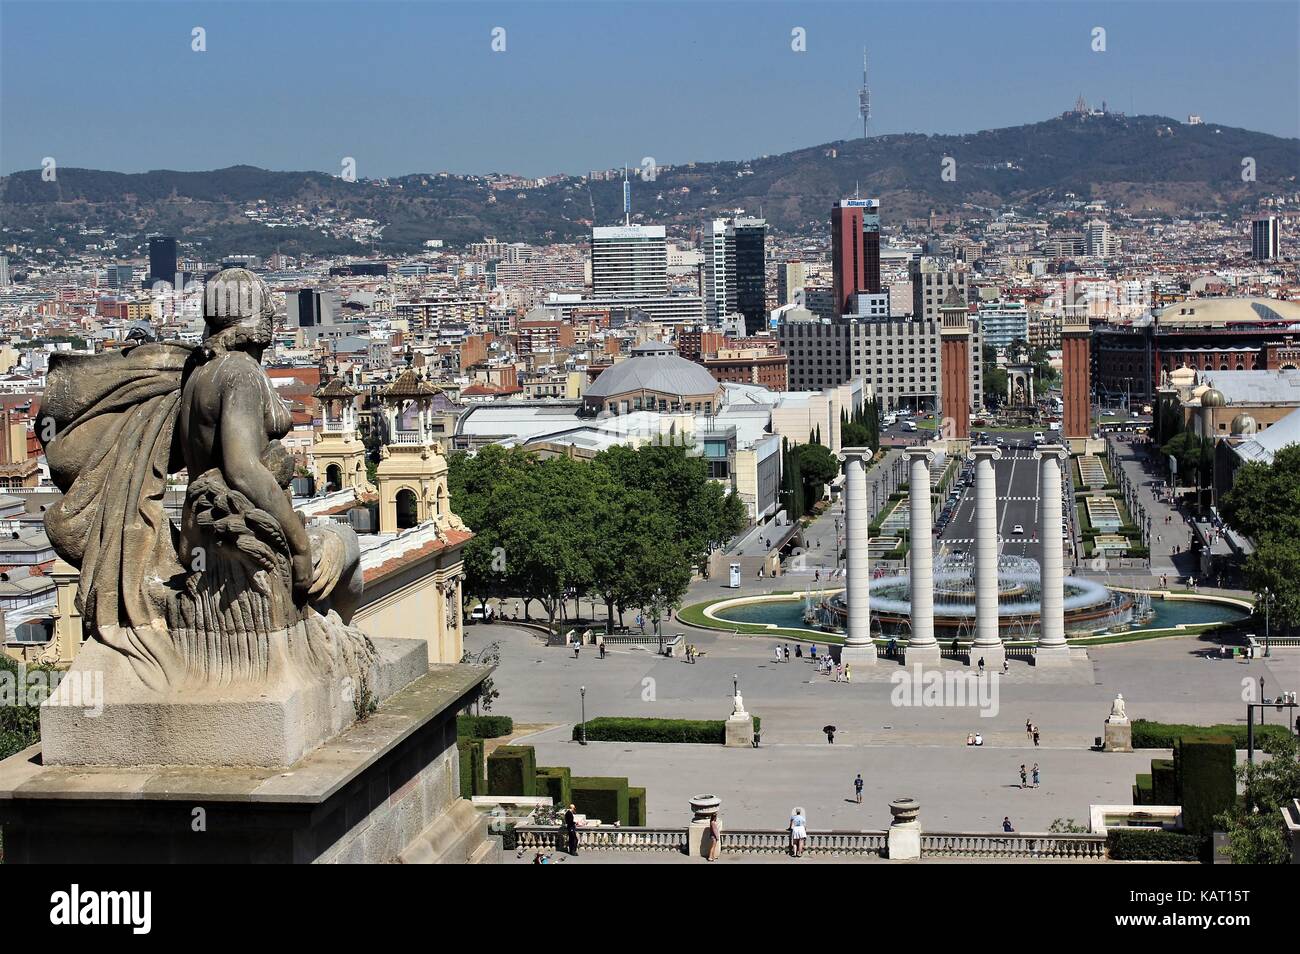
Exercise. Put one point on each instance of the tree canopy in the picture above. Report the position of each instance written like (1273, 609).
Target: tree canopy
(626, 528)
(1264, 504)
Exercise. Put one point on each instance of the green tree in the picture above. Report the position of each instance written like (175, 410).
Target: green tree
(817, 467)
(1264, 504)
(1257, 833)
(1195, 458)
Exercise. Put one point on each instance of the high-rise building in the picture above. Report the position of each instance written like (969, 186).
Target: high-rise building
(1004, 322)
(121, 276)
(790, 278)
(4, 271)
(718, 269)
(751, 272)
(162, 259)
(1265, 239)
(629, 261)
(1097, 240)
(855, 249)
(930, 286)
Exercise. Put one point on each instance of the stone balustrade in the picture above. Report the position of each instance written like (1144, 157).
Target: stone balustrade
(1074, 847)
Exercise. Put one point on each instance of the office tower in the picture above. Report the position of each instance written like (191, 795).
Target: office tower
(309, 308)
(1097, 239)
(751, 272)
(930, 287)
(629, 261)
(718, 269)
(790, 278)
(855, 249)
(162, 259)
(1265, 239)
(4, 271)
(121, 276)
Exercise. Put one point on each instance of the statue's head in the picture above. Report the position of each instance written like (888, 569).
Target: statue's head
(236, 298)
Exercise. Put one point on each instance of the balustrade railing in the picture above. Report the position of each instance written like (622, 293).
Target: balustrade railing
(1071, 846)
(550, 838)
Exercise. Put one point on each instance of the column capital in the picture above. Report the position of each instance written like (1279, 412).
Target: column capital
(847, 454)
(988, 451)
(920, 453)
(1054, 451)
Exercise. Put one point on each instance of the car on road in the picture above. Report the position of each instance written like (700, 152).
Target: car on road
(1017, 529)
(482, 614)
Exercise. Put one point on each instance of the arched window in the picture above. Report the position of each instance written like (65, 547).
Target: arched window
(408, 509)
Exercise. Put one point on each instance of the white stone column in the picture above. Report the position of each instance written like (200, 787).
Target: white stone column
(858, 646)
(988, 638)
(921, 645)
(1051, 625)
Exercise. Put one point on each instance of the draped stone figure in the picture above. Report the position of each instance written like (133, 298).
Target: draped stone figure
(241, 600)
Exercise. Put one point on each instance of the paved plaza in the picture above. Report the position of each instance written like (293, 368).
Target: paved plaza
(917, 751)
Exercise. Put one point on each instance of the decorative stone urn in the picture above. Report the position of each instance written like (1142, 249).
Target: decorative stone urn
(905, 830)
(703, 808)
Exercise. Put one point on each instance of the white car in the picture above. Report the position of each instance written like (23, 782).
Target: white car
(482, 614)
(1017, 529)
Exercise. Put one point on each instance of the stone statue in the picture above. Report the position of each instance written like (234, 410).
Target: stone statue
(738, 706)
(1117, 713)
(241, 593)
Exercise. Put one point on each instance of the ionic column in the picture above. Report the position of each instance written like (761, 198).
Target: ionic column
(921, 645)
(1051, 624)
(988, 638)
(858, 646)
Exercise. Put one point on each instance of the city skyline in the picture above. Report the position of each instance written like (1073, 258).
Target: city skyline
(618, 83)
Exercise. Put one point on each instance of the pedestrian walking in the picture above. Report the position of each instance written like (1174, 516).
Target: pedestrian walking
(830, 734)
(1034, 775)
(787, 652)
(857, 787)
(715, 838)
(1024, 776)
(777, 651)
(839, 669)
(1035, 736)
(1029, 729)
(848, 673)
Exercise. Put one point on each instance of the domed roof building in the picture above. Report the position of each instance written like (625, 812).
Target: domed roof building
(653, 378)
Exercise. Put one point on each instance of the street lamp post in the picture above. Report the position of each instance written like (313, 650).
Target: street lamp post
(735, 684)
(1268, 598)
(582, 692)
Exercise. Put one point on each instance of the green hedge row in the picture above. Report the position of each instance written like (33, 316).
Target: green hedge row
(1145, 844)
(512, 770)
(556, 782)
(601, 797)
(1162, 735)
(636, 806)
(471, 767)
(1164, 782)
(483, 727)
(617, 729)
(1207, 781)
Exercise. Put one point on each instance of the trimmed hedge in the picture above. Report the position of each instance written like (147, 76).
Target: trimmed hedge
(1142, 794)
(1146, 844)
(1162, 735)
(601, 797)
(512, 770)
(696, 731)
(483, 727)
(556, 782)
(471, 767)
(1164, 782)
(1207, 781)
(636, 806)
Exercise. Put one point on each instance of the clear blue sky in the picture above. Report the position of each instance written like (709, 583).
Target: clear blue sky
(415, 87)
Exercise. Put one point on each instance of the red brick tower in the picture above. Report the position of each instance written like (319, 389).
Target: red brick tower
(1076, 425)
(954, 368)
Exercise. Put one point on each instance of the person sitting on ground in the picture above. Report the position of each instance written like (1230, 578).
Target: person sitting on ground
(970, 738)
(979, 739)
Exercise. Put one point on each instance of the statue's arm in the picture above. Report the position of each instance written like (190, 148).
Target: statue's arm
(243, 439)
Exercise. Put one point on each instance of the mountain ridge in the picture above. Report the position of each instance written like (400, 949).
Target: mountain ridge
(1142, 162)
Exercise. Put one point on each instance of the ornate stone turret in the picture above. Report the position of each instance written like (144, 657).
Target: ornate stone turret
(412, 473)
(338, 454)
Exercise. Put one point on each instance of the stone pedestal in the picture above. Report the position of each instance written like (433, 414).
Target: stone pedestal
(703, 808)
(905, 830)
(270, 723)
(384, 790)
(740, 731)
(1118, 738)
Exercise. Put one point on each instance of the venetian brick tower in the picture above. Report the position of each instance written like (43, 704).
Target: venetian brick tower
(954, 366)
(1077, 385)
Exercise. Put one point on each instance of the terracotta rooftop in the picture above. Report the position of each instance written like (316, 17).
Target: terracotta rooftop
(453, 538)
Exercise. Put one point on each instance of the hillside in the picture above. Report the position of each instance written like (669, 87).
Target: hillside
(1144, 162)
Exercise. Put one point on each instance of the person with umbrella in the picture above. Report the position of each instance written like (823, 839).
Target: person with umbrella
(830, 733)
